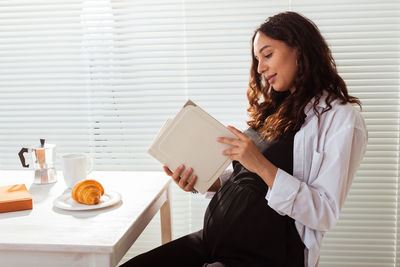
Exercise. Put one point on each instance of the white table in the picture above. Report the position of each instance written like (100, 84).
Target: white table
(49, 236)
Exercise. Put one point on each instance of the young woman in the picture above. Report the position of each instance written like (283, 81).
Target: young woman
(292, 168)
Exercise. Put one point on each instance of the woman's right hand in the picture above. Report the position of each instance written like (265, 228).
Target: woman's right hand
(182, 178)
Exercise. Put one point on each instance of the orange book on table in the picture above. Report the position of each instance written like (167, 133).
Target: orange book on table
(15, 197)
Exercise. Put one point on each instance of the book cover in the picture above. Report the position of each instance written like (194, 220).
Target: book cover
(190, 139)
(15, 197)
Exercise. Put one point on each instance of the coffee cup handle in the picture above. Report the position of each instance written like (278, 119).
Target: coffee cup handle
(90, 165)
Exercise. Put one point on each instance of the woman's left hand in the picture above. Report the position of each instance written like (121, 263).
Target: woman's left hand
(243, 150)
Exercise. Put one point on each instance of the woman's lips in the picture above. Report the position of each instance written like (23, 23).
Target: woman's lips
(271, 78)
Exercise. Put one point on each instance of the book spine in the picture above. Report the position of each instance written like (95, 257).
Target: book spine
(25, 204)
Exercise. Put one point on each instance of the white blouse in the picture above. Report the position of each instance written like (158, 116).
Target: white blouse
(326, 156)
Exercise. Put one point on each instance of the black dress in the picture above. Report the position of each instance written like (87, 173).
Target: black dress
(239, 225)
(240, 229)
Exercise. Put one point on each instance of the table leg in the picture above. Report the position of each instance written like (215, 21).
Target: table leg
(165, 217)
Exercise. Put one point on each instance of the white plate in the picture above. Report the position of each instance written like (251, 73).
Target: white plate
(66, 202)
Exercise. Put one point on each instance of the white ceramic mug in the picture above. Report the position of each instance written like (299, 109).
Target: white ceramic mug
(76, 167)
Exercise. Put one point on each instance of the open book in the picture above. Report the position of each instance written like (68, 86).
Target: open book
(190, 139)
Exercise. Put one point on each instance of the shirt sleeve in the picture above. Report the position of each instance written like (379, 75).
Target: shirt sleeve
(222, 178)
(316, 204)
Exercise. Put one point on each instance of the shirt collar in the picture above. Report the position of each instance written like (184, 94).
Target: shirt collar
(321, 103)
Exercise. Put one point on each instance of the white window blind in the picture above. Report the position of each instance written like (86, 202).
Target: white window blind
(43, 78)
(101, 77)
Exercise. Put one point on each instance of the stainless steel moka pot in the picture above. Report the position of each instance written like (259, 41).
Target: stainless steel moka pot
(43, 158)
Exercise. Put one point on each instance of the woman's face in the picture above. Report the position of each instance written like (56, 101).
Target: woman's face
(276, 62)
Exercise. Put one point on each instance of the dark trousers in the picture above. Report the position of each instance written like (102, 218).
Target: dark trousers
(187, 251)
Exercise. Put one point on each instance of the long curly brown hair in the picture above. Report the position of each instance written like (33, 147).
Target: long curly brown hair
(272, 113)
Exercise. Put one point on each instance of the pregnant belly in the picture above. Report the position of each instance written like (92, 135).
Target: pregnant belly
(238, 220)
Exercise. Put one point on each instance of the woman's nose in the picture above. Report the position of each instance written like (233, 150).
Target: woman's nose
(262, 67)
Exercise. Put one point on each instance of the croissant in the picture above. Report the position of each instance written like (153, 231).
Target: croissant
(87, 192)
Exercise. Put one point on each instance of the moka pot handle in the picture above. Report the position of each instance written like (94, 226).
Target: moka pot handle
(22, 158)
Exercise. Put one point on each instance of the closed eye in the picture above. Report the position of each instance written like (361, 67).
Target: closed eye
(269, 55)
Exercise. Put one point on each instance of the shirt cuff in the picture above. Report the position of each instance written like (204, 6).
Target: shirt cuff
(225, 176)
(209, 195)
(222, 178)
(283, 193)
